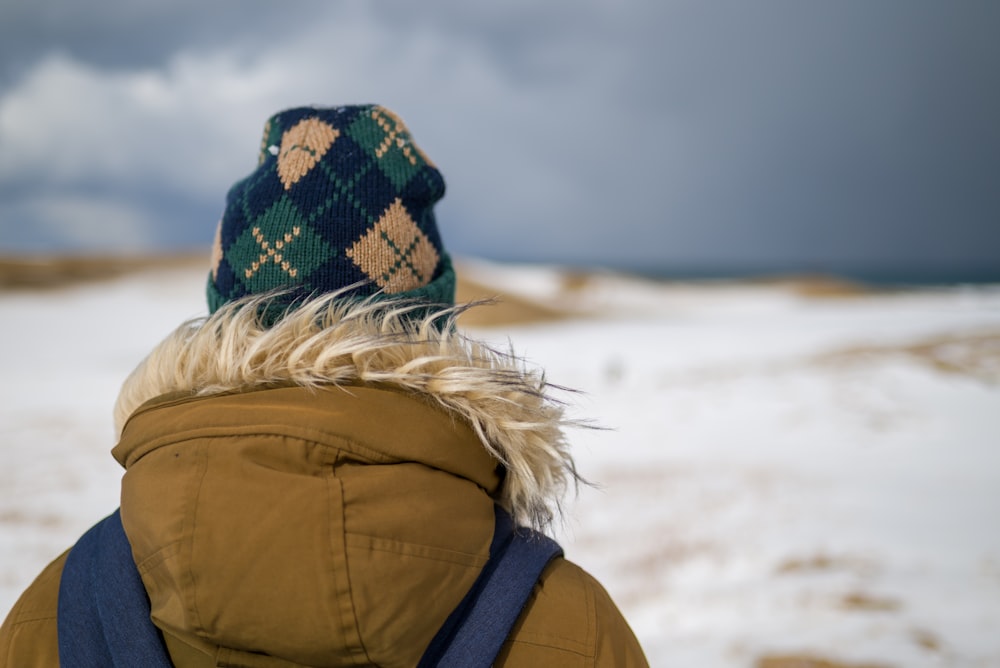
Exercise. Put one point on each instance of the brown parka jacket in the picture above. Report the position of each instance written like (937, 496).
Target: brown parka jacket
(320, 493)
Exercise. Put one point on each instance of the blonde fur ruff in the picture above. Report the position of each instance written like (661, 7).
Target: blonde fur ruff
(329, 341)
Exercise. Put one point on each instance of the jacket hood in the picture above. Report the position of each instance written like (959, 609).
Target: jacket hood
(388, 344)
(286, 527)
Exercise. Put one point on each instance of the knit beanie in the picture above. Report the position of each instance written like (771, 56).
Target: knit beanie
(341, 198)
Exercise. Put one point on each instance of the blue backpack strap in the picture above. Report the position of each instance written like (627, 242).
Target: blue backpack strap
(103, 616)
(474, 634)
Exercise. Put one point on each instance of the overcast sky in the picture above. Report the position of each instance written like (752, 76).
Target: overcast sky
(850, 136)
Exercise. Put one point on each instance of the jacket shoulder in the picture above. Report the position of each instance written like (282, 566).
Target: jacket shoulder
(28, 637)
(570, 620)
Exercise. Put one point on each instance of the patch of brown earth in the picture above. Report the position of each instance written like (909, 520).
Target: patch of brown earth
(575, 281)
(807, 661)
(861, 602)
(52, 272)
(926, 640)
(819, 286)
(820, 562)
(824, 563)
(16, 516)
(974, 355)
(501, 309)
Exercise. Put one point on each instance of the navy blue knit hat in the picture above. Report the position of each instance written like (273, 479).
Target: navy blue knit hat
(341, 197)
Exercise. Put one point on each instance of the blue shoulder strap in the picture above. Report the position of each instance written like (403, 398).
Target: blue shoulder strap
(474, 634)
(103, 616)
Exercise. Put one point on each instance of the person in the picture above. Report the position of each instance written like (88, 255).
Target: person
(311, 470)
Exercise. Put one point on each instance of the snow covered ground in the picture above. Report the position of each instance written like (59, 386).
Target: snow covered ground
(782, 475)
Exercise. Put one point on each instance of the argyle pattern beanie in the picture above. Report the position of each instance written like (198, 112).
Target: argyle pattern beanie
(341, 198)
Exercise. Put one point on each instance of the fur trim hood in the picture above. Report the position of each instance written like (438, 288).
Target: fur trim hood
(331, 341)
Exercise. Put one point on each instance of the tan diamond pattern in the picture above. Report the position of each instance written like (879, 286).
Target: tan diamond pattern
(396, 133)
(302, 147)
(272, 250)
(395, 253)
(217, 251)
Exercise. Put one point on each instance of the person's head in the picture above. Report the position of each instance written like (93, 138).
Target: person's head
(328, 270)
(341, 201)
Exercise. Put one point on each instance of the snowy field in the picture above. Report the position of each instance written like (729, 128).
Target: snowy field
(783, 477)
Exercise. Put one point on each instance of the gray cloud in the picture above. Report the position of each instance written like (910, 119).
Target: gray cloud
(772, 136)
(128, 33)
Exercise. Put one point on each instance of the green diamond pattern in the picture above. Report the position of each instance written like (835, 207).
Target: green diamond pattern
(390, 145)
(280, 248)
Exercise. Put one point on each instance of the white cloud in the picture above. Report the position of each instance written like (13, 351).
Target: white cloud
(68, 123)
(191, 127)
(194, 121)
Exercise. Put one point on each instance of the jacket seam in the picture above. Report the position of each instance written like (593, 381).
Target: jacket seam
(28, 618)
(382, 544)
(157, 558)
(519, 640)
(318, 438)
(349, 620)
(592, 622)
(189, 573)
